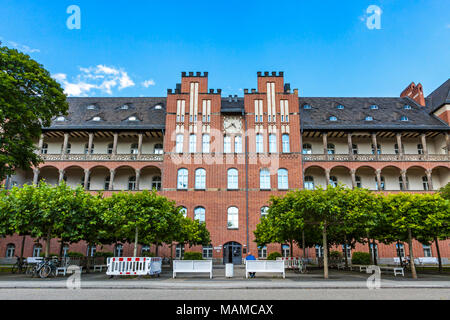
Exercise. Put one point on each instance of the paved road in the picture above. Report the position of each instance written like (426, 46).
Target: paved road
(225, 294)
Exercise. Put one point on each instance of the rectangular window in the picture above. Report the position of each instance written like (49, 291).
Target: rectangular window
(206, 143)
(192, 143)
(227, 144)
(207, 252)
(427, 251)
(179, 144)
(272, 143)
(238, 144)
(259, 143)
(262, 252)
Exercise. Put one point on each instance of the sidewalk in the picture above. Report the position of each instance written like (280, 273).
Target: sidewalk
(311, 280)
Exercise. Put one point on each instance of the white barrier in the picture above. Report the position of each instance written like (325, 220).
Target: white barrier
(264, 266)
(291, 263)
(193, 266)
(133, 266)
(426, 260)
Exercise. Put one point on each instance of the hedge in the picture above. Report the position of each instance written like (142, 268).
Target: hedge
(361, 258)
(274, 256)
(193, 256)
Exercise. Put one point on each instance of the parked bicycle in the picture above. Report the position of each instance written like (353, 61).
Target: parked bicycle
(20, 266)
(45, 268)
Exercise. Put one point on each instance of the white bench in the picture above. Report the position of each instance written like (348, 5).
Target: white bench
(396, 270)
(426, 260)
(274, 266)
(193, 266)
(99, 267)
(360, 266)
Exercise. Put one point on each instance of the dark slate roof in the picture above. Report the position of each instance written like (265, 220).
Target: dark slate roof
(232, 105)
(439, 97)
(388, 115)
(108, 109)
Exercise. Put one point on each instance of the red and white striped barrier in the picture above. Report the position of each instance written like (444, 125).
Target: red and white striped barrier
(291, 263)
(132, 266)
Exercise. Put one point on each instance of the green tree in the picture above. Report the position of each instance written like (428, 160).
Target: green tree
(29, 99)
(445, 191)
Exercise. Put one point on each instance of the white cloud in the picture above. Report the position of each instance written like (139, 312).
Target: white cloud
(148, 83)
(21, 47)
(101, 78)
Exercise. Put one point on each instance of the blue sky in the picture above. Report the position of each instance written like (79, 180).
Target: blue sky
(324, 47)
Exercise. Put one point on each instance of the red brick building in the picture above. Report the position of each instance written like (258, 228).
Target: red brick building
(222, 158)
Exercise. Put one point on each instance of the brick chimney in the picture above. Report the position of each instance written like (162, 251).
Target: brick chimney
(415, 92)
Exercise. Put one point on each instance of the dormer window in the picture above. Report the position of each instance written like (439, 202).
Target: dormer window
(374, 107)
(404, 118)
(91, 107)
(369, 118)
(124, 107)
(407, 107)
(61, 119)
(307, 107)
(96, 119)
(340, 107)
(333, 118)
(132, 118)
(158, 107)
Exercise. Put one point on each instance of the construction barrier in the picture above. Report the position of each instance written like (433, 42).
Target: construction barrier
(291, 263)
(133, 266)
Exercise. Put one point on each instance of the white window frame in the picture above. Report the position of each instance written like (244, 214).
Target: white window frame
(264, 179)
(233, 218)
(283, 179)
(179, 143)
(200, 214)
(233, 179)
(273, 143)
(192, 143)
(259, 143)
(200, 179)
(286, 144)
(182, 179)
(226, 144)
(206, 143)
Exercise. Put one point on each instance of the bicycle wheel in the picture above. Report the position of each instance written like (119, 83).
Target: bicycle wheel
(45, 271)
(14, 268)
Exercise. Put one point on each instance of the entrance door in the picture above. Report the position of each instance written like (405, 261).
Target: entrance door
(232, 253)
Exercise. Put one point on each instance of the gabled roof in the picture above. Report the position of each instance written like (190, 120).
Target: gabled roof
(439, 97)
(112, 116)
(352, 117)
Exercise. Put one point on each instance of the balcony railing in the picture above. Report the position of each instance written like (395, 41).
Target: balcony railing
(103, 157)
(372, 157)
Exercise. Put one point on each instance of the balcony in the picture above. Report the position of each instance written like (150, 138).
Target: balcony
(372, 157)
(102, 157)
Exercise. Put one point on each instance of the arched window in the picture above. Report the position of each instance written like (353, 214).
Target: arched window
(233, 179)
(307, 107)
(110, 148)
(333, 118)
(286, 144)
(179, 143)
(10, 249)
(378, 149)
(407, 107)
(182, 179)
(227, 144)
(309, 183)
(425, 184)
(374, 107)
(233, 218)
(118, 250)
(272, 143)
(264, 179)
(206, 143)
(330, 148)
(37, 248)
(200, 179)
(199, 214)
(307, 148)
(192, 143)
(340, 107)
(369, 118)
(159, 149)
(264, 211)
(238, 144)
(404, 118)
(333, 181)
(44, 149)
(156, 183)
(259, 143)
(283, 181)
(132, 183)
(183, 210)
(134, 149)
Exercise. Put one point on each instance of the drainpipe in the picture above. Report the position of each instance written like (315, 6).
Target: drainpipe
(246, 176)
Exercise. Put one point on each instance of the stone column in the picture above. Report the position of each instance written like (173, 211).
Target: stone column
(66, 142)
(112, 173)
(140, 138)
(423, 140)
(378, 177)
(325, 144)
(350, 145)
(35, 175)
(375, 144)
(399, 144)
(41, 143)
(327, 176)
(90, 143)
(138, 178)
(405, 185)
(86, 178)
(116, 140)
(61, 175)
(353, 174)
(430, 181)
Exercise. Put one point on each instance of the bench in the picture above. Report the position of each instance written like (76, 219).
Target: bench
(362, 268)
(264, 266)
(193, 266)
(99, 267)
(396, 270)
(426, 260)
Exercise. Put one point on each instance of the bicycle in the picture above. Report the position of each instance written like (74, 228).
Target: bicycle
(45, 268)
(21, 266)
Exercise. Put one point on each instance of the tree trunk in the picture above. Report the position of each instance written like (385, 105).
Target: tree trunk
(88, 257)
(368, 240)
(398, 253)
(303, 243)
(136, 242)
(345, 251)
(375, 261)
(438, 253)
(47, 245)
(325, 252)
(411, 255)
(61, 247)
(157, 249)
(23, 247)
